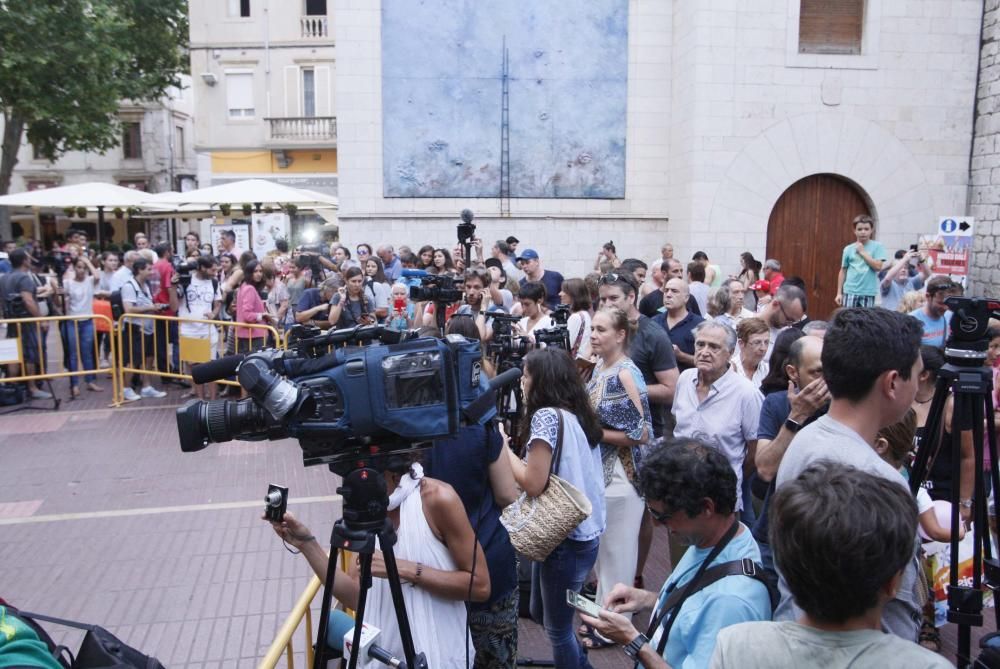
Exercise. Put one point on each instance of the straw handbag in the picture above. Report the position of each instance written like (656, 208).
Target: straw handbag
(538, 524)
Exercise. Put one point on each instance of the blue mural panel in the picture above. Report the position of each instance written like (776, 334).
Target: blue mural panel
(442, 83)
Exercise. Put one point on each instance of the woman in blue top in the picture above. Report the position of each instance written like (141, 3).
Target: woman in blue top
(553, 390)
(618, 394)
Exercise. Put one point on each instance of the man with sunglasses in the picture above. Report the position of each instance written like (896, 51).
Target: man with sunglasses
(785, 309)
(690, 488)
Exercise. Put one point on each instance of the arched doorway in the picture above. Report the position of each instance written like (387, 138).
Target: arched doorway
(808, 229)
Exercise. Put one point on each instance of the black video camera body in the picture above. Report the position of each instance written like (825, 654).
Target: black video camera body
(183, 270)
(342, 403)
(506, 347)
(437, 288)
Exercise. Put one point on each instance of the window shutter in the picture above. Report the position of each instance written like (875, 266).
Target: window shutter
(239, 94)
(831, 26)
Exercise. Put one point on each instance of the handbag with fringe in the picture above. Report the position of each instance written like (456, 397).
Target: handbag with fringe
(537, 525)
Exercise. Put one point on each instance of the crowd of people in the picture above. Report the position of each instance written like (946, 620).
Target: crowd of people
(712, 404)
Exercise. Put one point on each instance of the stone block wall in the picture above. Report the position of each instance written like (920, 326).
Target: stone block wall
(984, 189)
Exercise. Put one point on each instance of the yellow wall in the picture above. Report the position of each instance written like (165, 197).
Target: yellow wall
(260, 162)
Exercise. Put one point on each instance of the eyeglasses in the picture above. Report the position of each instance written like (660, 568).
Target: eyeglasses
(781, 307)
(614, 277)
(362, 252)
(658, 516)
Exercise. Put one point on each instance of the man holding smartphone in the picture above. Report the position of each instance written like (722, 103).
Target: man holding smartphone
(691, 488)
(909, 272)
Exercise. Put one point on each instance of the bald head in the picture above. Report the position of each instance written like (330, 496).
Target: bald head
(675, 295)
(804, 363)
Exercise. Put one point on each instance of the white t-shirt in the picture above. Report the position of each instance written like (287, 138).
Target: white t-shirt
(196, 302)
(80, 297)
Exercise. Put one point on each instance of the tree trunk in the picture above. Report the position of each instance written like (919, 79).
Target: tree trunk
(13, 129)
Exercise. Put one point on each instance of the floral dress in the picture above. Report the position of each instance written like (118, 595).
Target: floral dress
(617, 412)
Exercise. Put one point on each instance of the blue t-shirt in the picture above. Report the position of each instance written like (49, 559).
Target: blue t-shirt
(861, 279)
(773, 413)
(935, 330)
(728, 601)
(892, 293)
(308, 299)
(464, 463)
(682, 334)
(553, 282)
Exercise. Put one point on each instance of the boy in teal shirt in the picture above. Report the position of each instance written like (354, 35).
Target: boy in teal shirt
(860, 264)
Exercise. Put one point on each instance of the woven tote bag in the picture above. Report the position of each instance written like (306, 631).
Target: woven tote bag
(537, 525)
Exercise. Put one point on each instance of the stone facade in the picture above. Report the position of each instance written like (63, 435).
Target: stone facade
(724, 114)
(984, 191)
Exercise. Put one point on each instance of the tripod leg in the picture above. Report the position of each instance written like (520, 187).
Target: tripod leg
(320, 658)
(359, 613)
(392, 572)
(993, 579)
(932, 439)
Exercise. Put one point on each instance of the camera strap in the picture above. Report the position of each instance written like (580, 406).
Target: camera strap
(557, 453)
(671, 607)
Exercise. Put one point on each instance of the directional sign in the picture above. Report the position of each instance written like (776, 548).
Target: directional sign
(951, 248)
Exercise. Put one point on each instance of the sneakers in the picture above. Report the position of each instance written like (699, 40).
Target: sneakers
(150, 391)
(39, 394)
(131, 396)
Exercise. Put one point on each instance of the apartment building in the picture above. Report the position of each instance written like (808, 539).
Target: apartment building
(264, 83)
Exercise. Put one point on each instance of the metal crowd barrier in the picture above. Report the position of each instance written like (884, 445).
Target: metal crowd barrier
(283, 643)
(31, 343)
(192, 350)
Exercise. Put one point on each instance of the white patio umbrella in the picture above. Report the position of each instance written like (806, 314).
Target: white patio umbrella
(250, 191)
(92, 195)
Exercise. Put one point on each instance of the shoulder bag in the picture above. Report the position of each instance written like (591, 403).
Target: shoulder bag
(538, 524)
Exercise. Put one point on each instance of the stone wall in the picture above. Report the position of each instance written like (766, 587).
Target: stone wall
(984, 191)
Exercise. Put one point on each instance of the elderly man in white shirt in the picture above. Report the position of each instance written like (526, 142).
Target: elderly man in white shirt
(716, 404)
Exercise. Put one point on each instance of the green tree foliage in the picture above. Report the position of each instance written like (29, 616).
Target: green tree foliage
(65, 66)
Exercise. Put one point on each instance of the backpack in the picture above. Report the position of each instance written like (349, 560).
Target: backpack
(117, 306)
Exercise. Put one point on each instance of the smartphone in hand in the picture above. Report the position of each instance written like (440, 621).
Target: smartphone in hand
(581, 603)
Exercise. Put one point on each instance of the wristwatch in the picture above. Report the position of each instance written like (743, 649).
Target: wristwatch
(965, 503)
(633, 647)
(792, 426)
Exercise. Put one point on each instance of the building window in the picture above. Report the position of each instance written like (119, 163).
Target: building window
(132, 140)
(315, 7)
(831, 26)
(179, 139)
(239, 94)
(308, 92)
(239, 8)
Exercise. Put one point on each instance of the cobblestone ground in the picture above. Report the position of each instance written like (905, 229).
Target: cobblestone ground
(103, 519)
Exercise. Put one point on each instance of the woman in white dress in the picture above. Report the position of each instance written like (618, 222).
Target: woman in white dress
(434, 554)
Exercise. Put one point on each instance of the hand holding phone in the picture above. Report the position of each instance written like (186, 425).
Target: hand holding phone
(581, 603)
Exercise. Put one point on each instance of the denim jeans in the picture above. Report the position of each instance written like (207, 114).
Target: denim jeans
(86, 345)
(565, 569)
(747, 516)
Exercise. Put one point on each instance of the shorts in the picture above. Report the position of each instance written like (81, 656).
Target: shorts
(863, 301)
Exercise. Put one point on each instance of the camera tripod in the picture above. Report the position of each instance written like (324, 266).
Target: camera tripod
(365, 519)
(972, 385)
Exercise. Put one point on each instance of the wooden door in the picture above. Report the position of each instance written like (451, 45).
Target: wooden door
(808, 229)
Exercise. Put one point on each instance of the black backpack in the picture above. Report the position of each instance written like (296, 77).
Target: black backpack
(117, 306)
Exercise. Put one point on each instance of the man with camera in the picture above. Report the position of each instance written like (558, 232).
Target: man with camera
(19, 292)
(314, 303)
(199, 297)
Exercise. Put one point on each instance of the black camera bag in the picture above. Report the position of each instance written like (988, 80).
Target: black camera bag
(100, 648)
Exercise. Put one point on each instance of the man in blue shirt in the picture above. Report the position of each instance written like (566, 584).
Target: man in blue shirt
(690, 488)
(903, 277)
(531, 265)
(935, 316)
(390, 261)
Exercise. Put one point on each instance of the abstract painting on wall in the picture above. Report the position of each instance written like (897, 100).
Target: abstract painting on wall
(524, 98)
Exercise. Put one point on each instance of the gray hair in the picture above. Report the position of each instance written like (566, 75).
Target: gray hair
(815, 327)
(716, 325)
(719, 300)
(385, 248)
(771, 263)
(333, 283)
(131, 257)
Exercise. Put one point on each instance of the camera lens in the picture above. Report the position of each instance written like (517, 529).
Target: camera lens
(200, 423)
(273, 498)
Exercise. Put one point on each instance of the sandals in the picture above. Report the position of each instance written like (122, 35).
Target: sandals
(94, 388)
(591, 639)
(930, 637)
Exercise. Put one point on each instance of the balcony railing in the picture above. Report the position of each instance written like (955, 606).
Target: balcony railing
(306, 129)
(314, 26)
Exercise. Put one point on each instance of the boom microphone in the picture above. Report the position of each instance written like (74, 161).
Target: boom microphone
(216, 370)
(480, 407)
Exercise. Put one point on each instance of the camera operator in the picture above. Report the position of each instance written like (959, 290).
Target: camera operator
(19, 294)
(314, 304)
(350, 306)
(478, 301)
(533, 299)
(201, 298)
(473, 462)
(434, 552)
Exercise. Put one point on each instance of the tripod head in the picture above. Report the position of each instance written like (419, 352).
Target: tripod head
(967, 342)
